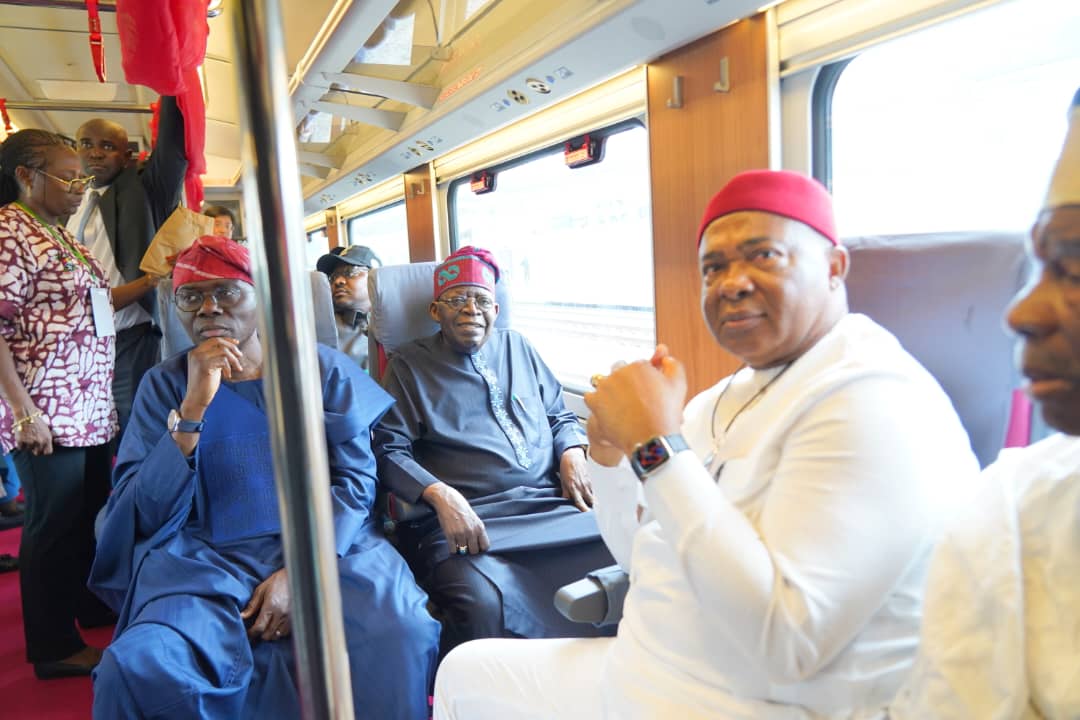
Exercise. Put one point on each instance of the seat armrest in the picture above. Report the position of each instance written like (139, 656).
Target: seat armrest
(597, 598)
(394, 510)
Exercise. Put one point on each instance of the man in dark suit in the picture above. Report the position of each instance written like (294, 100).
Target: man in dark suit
(117, 220)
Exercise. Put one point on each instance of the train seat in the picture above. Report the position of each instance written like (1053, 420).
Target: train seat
(400, 297)
(174, 338)
(943, 296)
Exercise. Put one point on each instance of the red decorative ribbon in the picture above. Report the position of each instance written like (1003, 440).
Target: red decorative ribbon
(3, 113)
(97, 47)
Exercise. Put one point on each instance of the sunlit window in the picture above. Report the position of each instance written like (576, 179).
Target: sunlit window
(956, 127)
(385, 231)
(575, 246)
(317, 246)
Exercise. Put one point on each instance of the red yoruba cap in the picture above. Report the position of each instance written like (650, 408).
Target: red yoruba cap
(467, 266)
(780, 192)
(212, 258)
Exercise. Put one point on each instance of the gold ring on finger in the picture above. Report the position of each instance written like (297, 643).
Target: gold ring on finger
(595, 379)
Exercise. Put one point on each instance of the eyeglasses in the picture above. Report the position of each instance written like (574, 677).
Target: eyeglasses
(347, 271)
(74, 185)
(191, 300)
(458, 302)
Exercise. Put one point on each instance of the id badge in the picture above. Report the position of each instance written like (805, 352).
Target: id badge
(101, 306)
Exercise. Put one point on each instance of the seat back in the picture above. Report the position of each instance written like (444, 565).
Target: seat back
(944, 296)
(174, 338)
(400, 297)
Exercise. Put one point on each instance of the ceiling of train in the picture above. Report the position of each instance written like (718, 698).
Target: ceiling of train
(377, 86)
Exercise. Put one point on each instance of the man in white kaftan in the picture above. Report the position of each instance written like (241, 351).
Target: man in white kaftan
(787, 517)
(1001, 638)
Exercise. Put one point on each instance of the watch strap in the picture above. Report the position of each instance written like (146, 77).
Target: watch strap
(179, 424)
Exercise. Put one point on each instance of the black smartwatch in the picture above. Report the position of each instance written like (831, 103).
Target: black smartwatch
(175, 423)
(651, 455)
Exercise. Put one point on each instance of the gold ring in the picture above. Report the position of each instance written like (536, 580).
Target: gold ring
(595, 379)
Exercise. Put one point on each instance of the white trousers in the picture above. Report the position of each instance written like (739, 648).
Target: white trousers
(582, 679)
(523, 680)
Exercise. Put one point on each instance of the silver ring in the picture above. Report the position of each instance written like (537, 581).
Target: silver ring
(462, 549)
(277, 633)
(595, 379)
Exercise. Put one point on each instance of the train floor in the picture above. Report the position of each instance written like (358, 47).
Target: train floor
(22, 696)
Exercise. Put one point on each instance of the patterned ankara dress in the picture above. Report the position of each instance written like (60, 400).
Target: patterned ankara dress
(46, 320)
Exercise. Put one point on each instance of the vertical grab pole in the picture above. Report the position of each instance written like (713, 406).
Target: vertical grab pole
(274, 213)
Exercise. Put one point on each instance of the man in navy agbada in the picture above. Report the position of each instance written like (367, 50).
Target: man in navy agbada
(190, 550)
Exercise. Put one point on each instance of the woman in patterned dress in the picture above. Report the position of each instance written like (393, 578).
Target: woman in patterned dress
(56, 366)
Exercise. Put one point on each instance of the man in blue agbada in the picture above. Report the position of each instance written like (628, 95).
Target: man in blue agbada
(480, 433)
(190, 550)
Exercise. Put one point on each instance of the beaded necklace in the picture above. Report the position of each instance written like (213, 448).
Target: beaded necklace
(712, 426)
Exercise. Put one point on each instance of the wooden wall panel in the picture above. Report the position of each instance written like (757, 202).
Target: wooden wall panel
(694, 151)
(420, 214)
(333, 230)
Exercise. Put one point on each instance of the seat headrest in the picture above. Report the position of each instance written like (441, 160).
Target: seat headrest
(400, 297)
(943, 296)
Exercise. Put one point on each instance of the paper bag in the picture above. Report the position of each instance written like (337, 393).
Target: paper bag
(177, 233)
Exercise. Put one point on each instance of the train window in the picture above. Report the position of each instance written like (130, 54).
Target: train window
(955, 127)
(317, 245)
(385, 231)
(576, 248)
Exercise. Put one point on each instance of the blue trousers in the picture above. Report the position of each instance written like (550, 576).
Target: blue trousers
(9, 479)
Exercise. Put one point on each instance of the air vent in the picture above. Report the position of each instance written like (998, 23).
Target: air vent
(542, 87)
(517, 96)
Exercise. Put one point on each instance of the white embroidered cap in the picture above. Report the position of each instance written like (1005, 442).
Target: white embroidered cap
(1065, 182)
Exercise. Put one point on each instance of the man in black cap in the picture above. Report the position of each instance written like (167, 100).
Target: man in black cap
(348, 273)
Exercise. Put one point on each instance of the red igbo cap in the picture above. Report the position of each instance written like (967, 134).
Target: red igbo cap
(212, 258)
(468, 266)
(780, 192)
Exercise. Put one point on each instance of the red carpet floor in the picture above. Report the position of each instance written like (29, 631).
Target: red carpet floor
(22, 696)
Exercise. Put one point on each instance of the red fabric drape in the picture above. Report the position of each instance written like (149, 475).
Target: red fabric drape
(4, 115)
(162, 44)
(155, 110)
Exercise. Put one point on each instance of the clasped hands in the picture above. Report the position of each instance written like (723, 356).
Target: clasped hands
(636, 402)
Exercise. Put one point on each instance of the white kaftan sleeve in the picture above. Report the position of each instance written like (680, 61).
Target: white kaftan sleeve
(847, 514)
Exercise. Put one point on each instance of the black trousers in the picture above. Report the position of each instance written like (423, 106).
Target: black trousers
(138, 349)
(64, 492)
(469, 605)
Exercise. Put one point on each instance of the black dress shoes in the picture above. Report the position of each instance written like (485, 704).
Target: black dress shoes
(58, 669)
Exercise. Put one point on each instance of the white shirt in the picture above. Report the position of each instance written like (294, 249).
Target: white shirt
(793, 587)
(96, 239)
(1001, 638)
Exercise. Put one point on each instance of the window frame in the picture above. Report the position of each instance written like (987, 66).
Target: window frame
(821, 105)
(451, 187)
(572, 392)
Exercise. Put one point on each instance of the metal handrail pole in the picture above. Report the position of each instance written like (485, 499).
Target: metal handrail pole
(275, 220)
